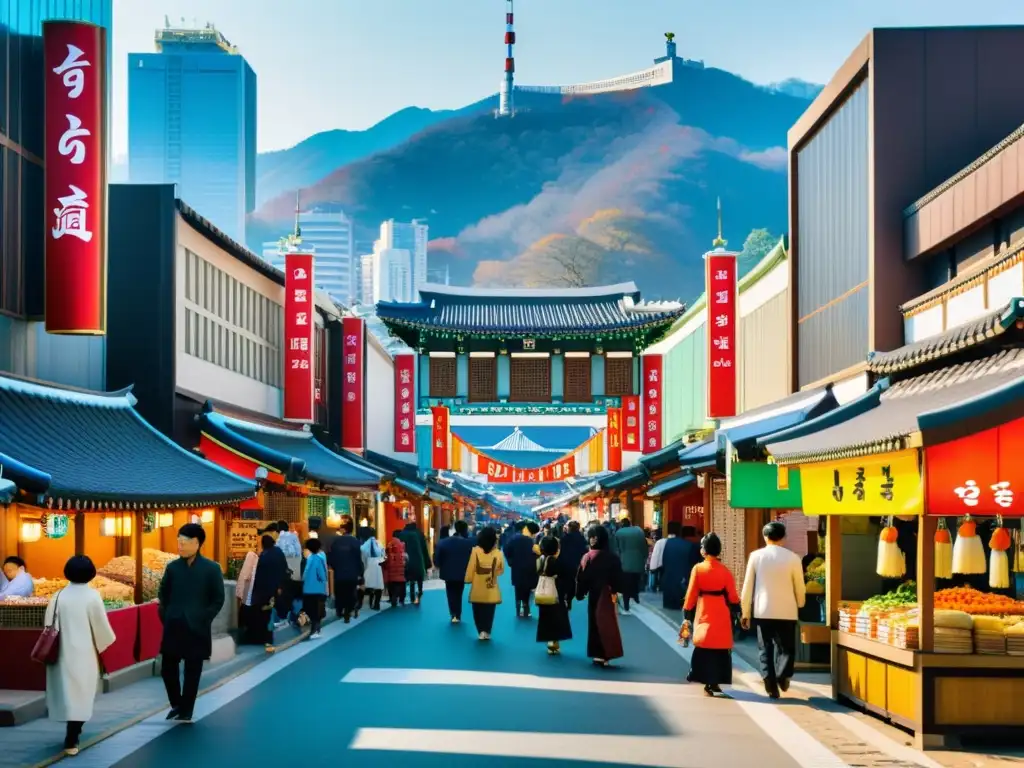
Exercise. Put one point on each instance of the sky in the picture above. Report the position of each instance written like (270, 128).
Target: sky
(326, 64)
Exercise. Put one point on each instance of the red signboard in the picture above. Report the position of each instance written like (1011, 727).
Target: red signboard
(440, 438)
(299, 338)
(405, 395)
(499, 472)
(720, 282)
(652, 405)
(75, 183)
(614, 439)
(631, 423)
(981, 474)
(353, 342)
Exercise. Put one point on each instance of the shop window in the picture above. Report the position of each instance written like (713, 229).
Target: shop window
(577, 380)
(483, 380)
(443, 377)
(530, 380)
(618, 376)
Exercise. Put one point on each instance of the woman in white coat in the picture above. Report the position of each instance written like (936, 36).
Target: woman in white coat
(78, 614)
(373, 577)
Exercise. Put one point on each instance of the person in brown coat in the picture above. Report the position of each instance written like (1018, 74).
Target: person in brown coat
(394, 570)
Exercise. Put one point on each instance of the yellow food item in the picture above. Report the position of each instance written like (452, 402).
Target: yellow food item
(112, 590)
(48, 587)
(988, 624)
(953, 620)
(156, 560)
(122, 570)
(815, 588)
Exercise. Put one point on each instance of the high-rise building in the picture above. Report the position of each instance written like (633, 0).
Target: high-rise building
(329, 232)
(192, 122)
(391, 274)
(366, 279)
(411, 237)
(25, 348)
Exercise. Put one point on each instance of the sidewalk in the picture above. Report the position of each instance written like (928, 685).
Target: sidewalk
(854, 737)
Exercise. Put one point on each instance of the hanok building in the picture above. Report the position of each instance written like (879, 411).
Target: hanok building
(523, 379)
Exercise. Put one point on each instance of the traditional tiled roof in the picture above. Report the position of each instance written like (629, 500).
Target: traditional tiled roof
(84, 450)
(665, 458)
(630, 477)
(950, 342)
(7, 491)
(673, 482)
(529, 312)
(744, 431)
(699, 455)
(886, 418)
(294, 453)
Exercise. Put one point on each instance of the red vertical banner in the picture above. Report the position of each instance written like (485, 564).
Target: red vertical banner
(720, 282)
(300, 339)
(614, 439)
(353, 413)
(405, 396)
(652, 370)
(631, 423)
(75, 183)
(440, 438)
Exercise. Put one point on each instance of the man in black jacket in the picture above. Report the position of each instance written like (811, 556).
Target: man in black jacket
(346, 561)
(571, 551)
(521, 555)
(191, 596)
(451, 558)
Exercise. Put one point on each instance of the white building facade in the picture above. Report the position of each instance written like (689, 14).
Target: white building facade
(411, 237)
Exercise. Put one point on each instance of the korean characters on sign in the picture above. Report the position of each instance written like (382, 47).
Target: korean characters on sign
(873, 485)
(614, 439)
(440, 438)
(75, 196)
(652, 370)
(720, 277)
(631, 423)
(405, 395)
(980, 474)
(300, 339)
(353, 340)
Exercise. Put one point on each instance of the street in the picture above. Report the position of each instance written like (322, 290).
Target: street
(406, 685)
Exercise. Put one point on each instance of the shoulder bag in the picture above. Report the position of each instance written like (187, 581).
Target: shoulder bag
(47, 647)
(547, 591)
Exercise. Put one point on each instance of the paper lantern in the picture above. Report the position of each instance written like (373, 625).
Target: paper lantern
(891, 564)
(116, 526)
(943, 552)
(165, 520)
(31, 531)
(998, 562)
(968, 551)
(207, 516)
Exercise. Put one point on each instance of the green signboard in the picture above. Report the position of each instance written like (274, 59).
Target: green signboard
(755, 485)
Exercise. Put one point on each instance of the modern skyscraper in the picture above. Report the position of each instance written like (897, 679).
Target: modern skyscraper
(391, 274)
(410, 237)
(192, 122)
(329, 232)
(366, 280)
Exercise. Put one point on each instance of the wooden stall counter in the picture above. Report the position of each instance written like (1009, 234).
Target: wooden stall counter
(938, 696)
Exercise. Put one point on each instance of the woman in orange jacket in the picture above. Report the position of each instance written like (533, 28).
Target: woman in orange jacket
(708, 610)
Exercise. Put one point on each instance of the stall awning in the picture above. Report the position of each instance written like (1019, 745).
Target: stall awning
(666, 458)
(631, 477)
(886, 418)
(674, 482)
(91, 450)
(743, 431)
(7, 491)
(294, 453)
(700, 455)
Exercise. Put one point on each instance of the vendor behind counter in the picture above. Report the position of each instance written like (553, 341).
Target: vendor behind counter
(15, 581)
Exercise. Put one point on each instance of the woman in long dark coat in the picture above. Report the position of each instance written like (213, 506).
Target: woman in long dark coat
(553, 626)
(599, 580)
(267, 585)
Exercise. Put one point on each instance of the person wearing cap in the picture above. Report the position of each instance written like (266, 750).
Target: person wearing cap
(191, 596)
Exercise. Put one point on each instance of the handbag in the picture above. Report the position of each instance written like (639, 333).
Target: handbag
(546, 592)
(47, 647)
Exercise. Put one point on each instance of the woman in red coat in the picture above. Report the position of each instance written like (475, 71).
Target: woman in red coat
(709, 597)
(394, 570)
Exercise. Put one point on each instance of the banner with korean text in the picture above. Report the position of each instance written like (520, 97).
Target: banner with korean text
(440, 439)
(75, 183)
(720, 282)
(300, 339)
(614, 439)
(631, 423)
(353, 408)
(651, 419)
(405, 396)
(500, 472)
(981, 474)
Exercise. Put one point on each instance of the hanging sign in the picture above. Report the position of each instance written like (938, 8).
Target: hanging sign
(500, 472)
(55, 526)
(75, 184)
(300, 339)
(631, 423)
(405, 395)
(353, 342)
(440, 438)
(614, 439)
(720, 283)
(889, 484)
(243, 537)
(982, 473)
(652, 405)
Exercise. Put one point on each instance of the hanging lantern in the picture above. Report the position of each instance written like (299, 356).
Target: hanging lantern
(31, 531)
(55, 526)
(891, 564)
(998, 562)
(164, 519)
(207, 516)
(968, 551)
(943, 551)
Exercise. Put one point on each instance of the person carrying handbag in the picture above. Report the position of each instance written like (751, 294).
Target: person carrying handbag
(78, 631)
(485, 566)
(553, 625)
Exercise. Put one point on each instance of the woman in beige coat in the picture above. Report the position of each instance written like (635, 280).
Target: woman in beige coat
(78, 614)
(485, 566)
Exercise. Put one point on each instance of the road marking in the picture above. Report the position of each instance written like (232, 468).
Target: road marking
(529, 682)
(807, 751)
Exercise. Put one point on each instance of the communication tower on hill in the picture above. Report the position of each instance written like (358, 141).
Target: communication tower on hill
(506, 99)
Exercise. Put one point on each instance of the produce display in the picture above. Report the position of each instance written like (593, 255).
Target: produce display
(109, 589)
(816, 577)
(977, 603)
(903, 596)
(122, 569)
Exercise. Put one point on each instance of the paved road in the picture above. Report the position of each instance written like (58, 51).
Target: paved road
(406, 687)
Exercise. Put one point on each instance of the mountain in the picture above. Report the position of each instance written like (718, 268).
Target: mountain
(577, 190)
(794, 86)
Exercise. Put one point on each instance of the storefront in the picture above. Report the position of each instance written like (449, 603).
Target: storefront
(91, 477)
